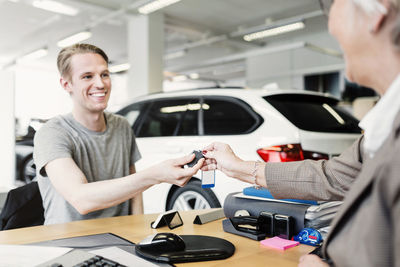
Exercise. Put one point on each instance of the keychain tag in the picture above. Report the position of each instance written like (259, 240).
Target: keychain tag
(207, 179)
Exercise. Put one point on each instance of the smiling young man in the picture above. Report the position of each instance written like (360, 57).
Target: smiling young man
(89, 85)
(85, 159)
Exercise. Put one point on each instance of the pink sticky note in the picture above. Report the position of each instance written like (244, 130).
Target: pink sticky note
(279, 243)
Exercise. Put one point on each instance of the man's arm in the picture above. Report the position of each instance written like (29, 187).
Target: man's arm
(136, 201)
(86, 197)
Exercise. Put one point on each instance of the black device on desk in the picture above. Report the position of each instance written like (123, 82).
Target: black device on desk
(171, 248)
(246, 226)
(266, 221)
(283, 226)
(163, 242)
(265, 225)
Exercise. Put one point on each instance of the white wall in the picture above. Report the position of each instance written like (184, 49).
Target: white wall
(38, 94)
(7, 134)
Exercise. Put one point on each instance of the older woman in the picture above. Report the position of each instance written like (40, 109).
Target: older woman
(366, 231)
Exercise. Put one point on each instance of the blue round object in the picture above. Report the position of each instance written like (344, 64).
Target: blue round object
(309, 236)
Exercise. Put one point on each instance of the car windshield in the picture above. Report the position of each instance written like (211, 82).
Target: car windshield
(314, 113)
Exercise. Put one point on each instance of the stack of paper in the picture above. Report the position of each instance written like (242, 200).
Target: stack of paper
(28, 256)
(321, 215)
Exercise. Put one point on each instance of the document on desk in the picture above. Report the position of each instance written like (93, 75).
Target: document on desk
(122, 257)
(28, 256)
(241, 195)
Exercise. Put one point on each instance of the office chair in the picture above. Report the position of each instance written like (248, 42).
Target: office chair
(23, 208)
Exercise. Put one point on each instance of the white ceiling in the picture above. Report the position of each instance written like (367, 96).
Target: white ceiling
(24, 28)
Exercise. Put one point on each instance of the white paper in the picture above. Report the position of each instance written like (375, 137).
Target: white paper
(122, 257)
(28, 256)
(241, 195)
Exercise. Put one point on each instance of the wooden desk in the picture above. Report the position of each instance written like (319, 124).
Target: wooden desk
(137, 227)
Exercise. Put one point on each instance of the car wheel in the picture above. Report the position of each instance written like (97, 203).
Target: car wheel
(193, 196)
(28, 170)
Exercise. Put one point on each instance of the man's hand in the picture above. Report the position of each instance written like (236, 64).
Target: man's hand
(172, 171)
(311, 261)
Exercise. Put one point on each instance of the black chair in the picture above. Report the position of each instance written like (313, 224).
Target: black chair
(23, 208)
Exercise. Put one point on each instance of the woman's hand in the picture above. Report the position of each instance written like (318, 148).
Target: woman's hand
(171, 171)
(311, 261)
(220, 156)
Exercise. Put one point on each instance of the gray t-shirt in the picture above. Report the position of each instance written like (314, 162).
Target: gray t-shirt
(100, 156)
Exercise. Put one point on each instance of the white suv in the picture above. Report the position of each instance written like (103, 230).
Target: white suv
(258, 124)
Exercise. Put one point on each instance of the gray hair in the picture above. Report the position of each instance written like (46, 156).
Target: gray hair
(373, 6)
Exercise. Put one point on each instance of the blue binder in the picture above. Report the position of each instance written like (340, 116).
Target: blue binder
(264, 193)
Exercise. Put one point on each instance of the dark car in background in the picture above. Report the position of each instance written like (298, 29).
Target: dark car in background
(25, 167)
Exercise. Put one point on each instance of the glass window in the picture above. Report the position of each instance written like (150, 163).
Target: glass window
(223, 117)
(314, 113)
(171, 118)
(132, 113)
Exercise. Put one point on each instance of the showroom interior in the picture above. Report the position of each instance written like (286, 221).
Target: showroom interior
(181, 45)
(276, 80)
(187, 44)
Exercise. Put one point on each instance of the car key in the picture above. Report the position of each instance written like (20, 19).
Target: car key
(198, 156)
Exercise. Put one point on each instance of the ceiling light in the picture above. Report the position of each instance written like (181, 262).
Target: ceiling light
(179, 78)
(73, 39)
(34, 55)
(194, 76)
(176, 54)
(119, 68)
(274, 31)
(56, 7)
(155, 5)
(184, 108)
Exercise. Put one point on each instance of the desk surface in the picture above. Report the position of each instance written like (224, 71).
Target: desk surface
(136, 227)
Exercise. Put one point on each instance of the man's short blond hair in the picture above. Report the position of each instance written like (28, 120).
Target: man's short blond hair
(65, 55)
